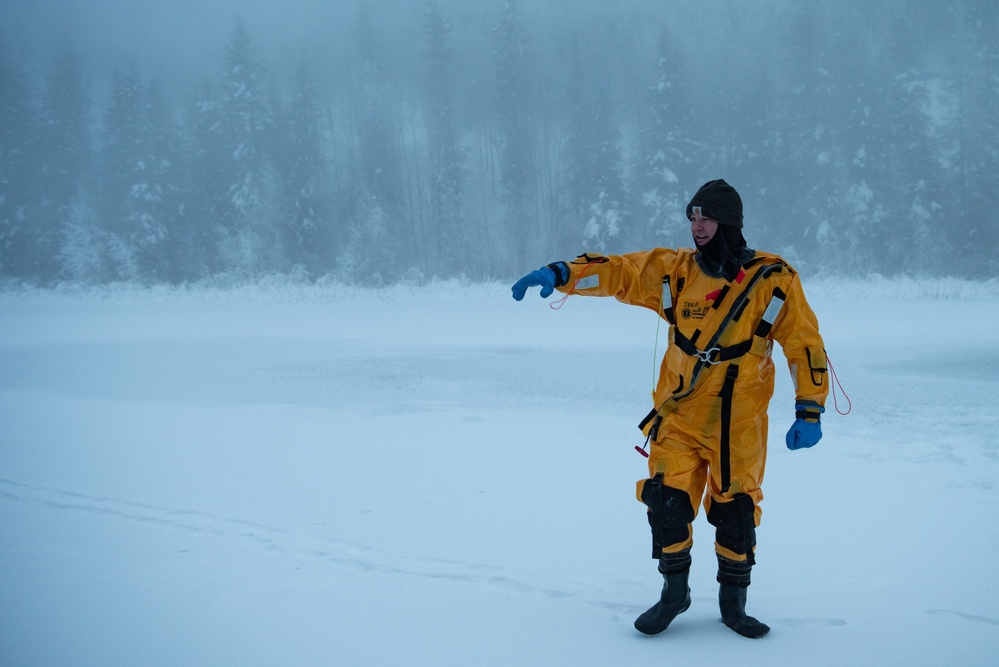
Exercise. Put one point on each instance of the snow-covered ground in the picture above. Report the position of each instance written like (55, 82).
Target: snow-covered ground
(317, 475)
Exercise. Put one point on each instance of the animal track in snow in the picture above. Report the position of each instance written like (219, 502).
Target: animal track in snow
(974, 618)
(283, 541)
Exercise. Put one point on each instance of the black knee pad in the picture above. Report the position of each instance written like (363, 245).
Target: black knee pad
(670, 513)
(735, 524)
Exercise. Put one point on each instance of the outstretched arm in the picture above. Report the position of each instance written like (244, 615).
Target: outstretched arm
(797, 331)
(635, 278)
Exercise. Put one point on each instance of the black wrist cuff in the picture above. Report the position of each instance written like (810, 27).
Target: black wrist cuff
(809, 415)
(561, 271)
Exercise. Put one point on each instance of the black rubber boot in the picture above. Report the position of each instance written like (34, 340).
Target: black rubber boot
(732, 601)
(675, 598)
(734, 578)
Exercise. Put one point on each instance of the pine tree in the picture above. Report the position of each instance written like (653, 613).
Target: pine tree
(379, 243)
(667, 153)
(121, 175)
(161, 205)
(516, 104)
(207, 206)
(18, 167)
(446, 183)
(66, 159)
(899, 148)
(975, 223)
(248, 242)
(757, 170)
(596, 209)
(307, 227)
(815, 185)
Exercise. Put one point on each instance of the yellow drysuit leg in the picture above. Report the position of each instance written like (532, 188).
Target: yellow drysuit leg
(687, 463)
(677, 474)
(732, 500)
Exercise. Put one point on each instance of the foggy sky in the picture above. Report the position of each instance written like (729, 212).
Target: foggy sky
(182, 40)
(178, 38)
(167, 37)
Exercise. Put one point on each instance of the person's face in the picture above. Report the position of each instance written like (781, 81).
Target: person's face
(702, 229)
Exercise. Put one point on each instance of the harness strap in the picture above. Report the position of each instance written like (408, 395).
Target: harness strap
(717, 355)
(728, 388)
(650, 425)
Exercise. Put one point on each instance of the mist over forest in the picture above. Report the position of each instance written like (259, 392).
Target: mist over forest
(378, 141)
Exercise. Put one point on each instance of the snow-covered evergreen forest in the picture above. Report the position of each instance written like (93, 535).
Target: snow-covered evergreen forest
(378, 141)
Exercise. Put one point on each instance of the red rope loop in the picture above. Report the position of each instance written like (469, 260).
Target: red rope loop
(836, 383)
(557, 305)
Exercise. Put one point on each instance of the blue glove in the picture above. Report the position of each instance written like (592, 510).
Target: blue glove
(806, 431)
(543, 278)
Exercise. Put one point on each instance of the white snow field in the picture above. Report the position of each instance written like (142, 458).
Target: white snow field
(319, 475)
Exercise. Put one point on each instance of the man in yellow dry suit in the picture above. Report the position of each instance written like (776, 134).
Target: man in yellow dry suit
(726, 304)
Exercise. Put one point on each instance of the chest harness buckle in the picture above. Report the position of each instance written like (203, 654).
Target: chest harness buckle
(705, 355)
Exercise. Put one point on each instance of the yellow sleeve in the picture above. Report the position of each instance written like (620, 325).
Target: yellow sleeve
(797, 331)
(634, 278)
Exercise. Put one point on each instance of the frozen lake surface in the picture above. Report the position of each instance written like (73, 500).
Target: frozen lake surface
(318, 475)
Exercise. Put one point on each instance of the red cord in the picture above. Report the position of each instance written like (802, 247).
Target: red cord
(836, 382)
(557, 305)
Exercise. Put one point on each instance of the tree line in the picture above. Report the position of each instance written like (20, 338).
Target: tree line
(858, 148)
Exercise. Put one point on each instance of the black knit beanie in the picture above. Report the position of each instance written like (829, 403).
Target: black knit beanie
(719, 201)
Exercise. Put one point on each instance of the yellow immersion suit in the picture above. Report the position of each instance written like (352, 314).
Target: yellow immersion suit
(708, 428)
